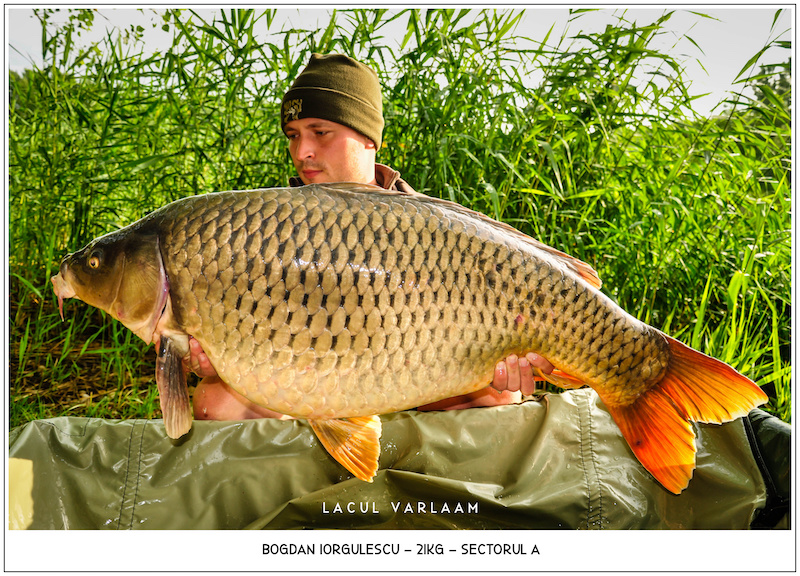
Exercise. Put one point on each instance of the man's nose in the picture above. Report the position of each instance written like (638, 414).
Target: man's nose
(305, 148)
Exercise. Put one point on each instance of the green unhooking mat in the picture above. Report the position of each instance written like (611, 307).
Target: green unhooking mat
(555, 462)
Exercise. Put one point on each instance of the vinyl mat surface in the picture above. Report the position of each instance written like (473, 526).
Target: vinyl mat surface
(554, 462)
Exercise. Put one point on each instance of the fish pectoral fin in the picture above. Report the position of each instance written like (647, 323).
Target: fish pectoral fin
(559, 378)
(173, 394)
(353, 442)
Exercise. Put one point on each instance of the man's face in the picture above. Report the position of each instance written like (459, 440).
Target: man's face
(325, 151)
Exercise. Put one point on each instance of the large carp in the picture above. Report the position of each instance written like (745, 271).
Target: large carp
(338, 303)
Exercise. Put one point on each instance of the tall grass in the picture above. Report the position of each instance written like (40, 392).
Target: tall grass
(687, 219)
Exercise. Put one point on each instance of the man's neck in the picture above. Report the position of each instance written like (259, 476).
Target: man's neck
(385, 177)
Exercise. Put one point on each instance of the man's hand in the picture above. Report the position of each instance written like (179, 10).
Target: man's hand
(511, 376)
(198, 361)
(515, 373)
(215, 400)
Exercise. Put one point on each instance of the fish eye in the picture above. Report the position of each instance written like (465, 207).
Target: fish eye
(94, 259)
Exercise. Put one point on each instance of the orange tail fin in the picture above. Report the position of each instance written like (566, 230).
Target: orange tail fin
(696, 387)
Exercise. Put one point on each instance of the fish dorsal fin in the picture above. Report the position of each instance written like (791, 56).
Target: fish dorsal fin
(353, 442)
(580, 267)
(577, 266)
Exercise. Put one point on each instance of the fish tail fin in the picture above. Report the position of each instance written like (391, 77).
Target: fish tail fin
(695, 388)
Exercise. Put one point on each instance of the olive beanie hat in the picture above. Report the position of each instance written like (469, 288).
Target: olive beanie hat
(337, 88)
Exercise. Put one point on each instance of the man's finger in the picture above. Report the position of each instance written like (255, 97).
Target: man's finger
(527, 384)
(512, 363)
(198, 360)
(500, 381)
(537, 361)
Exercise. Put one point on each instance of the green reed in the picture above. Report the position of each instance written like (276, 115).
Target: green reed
(686, 219)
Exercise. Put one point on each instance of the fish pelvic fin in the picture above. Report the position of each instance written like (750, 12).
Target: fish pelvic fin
(694, 388)
(173, 394)
(558, 378)
(353, 442)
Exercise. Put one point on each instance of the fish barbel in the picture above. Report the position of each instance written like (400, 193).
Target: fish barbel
(337, 303)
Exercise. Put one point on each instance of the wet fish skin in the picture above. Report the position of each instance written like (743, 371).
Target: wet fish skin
(310, 303)
(343, 301)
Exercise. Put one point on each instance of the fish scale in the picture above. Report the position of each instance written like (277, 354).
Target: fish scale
(337, 303)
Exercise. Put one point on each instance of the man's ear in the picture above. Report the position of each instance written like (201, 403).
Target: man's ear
(369, 144)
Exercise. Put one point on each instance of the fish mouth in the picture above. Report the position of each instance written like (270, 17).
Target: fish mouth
(63, 290)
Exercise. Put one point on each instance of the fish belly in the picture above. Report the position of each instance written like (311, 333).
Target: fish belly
(323, 303)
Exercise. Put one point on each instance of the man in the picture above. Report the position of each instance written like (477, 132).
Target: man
(333, 118)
